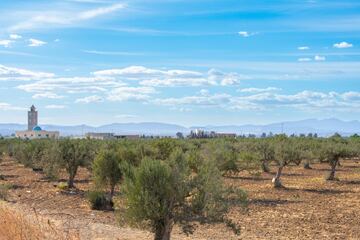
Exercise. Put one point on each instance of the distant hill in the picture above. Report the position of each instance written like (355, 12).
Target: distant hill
(324, 127)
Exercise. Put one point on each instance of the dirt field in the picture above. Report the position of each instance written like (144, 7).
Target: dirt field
(309, 207)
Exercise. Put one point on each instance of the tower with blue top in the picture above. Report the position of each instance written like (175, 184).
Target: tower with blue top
(32, 118)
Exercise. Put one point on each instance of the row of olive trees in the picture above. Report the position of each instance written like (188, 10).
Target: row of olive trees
(164, 181)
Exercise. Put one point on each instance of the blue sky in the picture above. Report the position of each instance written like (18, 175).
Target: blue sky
(179, 61)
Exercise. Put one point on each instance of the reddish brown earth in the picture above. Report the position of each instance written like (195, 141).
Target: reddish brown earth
(308, 208)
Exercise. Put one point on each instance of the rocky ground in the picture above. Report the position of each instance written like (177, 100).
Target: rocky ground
(308, 208)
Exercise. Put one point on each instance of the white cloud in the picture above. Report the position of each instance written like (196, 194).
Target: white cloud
(130, 94)
(36, 43)
(319, 58)
(170, 78)
(199, 100)
(61, 18)
(268, 101)
(113, 53)
(100, 11)
(303, 48)
(304, 59)
(55, 106)
(126, 116)
(15, 36)
(18, 74)
(342, 45)
(72, 85)
(259, 90)
(9, 107)
(89, 99)
(246, 34)
(49, 95)
(5, 43)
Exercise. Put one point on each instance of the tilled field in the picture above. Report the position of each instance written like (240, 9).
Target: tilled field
(308, 208)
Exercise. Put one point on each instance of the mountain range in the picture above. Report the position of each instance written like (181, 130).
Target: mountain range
(324, 127)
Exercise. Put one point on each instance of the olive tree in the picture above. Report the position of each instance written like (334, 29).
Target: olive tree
(332, 151)
(267, 153)
(73, 154)
(162, 193)
(309, 151)
(106, 170)
(286, 151)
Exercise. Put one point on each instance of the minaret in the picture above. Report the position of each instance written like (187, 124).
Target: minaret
(32, 118)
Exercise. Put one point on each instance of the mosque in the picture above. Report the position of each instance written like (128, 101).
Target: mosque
(34, 131)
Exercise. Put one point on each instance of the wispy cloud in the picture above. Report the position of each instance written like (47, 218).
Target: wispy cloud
(49, 95)
(5, 43)
(246, 34)
(36, 43)
(126, 116)
(343, 45)
(304, 59)
(48, 19)
(303, 48)
(15, 36)
(174, 77)
(259, 90)
(131, 94)
(268, 101)
(319, 58)
(9, 107)
(72, 85)
(113, 53)
(100, 11)
(19, 74)
(89, 99)
(55, 106)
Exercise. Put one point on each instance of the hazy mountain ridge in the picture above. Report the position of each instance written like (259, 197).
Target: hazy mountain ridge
(322, 127)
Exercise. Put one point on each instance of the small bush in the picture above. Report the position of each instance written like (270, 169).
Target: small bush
(4, 191)
(62, 186)
(99, 200)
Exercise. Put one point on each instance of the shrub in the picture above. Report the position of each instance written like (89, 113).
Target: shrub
(106, 170)
(99, 200)
(4, 191)
(62, 186)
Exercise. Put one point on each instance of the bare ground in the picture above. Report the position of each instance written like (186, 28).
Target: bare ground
(308, 208)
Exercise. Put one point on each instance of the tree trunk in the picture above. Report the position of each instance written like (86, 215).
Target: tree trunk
(276, 180)
(112, 192)
(163, 229)
(331, 176)
(265, 166)
(72, 173)
(307, 165)
(71, 181)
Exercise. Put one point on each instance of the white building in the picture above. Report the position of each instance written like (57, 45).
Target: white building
(34, 131)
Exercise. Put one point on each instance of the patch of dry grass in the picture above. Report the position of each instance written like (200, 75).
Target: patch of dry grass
(18, 226)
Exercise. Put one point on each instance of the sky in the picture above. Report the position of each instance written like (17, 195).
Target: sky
(187, 62)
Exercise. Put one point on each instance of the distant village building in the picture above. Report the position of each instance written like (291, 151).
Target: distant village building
(100, 136)
(34, 131)
(127, 136)
(109, 136)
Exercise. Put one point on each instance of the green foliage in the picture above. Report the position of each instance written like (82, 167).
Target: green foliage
(99, 200)
(73, 154)
(106, 170)
(62, 186)
(250, 162)
(4, 191)
(161, 193)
